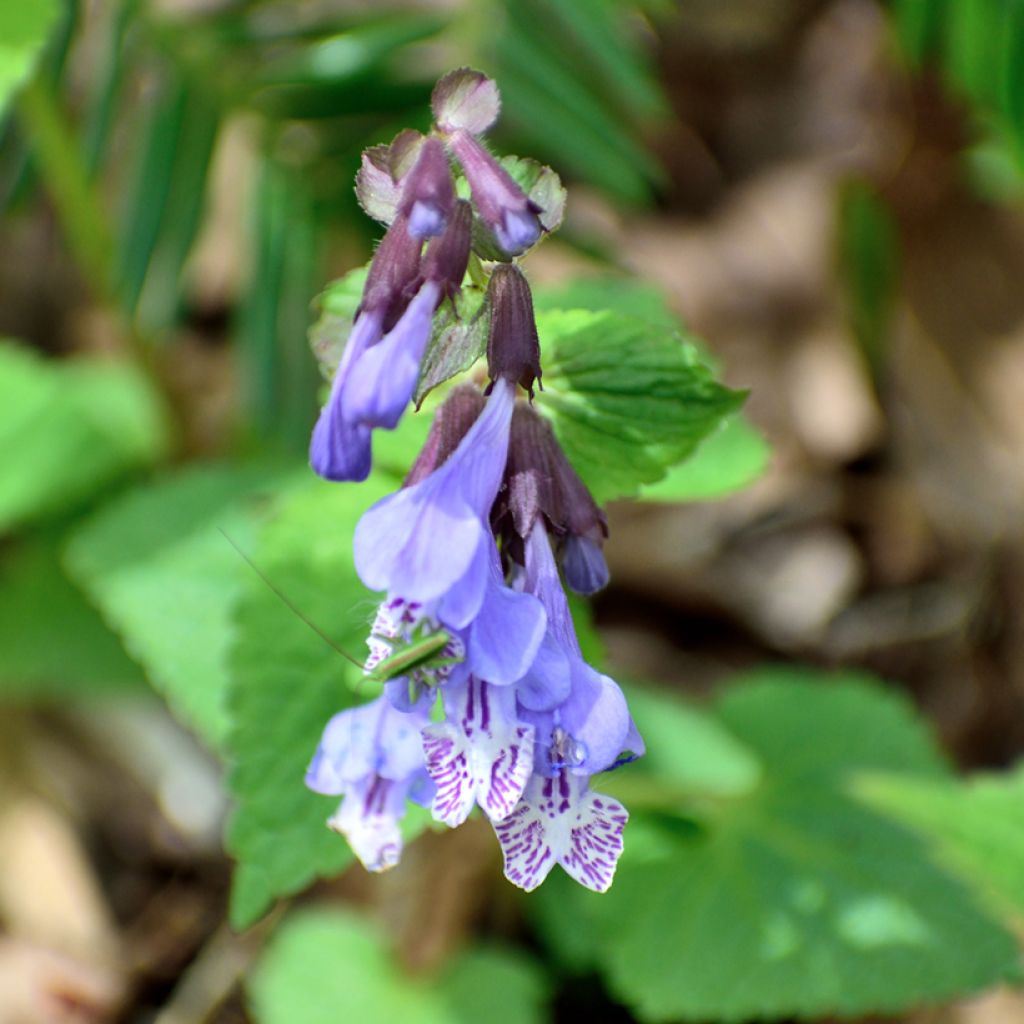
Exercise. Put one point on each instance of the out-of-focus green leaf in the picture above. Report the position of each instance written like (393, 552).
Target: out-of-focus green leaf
(919, 25)
(70, 428)
(869, 261)
(978, 47)
(326, 966)
(496, 985)
(162, 214)
(792, 898)
(52, 641)
(286, 682)
(354, 55)
(977, 827)
(24, 28)
(689, 749)
(160, 566)
(274, 317)
(624, 423)
(574, 84)
(732, 457)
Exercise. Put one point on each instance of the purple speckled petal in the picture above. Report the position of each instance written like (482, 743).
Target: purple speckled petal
(381, 381)
(368, 818)
(481, 754)
(560, 821)
(595, 841)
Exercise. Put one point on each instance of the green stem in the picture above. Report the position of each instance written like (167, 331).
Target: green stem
(63, 169)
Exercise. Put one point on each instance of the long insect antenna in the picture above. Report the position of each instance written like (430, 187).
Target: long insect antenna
(288, 603)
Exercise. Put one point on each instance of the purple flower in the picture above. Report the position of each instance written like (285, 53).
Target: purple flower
(581, 727)
(340, 446)
(377, 375)
(560, 821)
(503, 206)
(373, 757)
(430, 542)
(377, 388)
(480, 754)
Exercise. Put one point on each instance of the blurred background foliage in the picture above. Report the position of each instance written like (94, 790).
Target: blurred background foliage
(828, 193)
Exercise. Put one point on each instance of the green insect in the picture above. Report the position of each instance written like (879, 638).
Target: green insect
(415, 658)
(407, 658)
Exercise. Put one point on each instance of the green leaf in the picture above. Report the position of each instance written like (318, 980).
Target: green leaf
(733, 456)
(69, 428)
(807, 723)
(623, 422)
(338, 303)
(24, 29)
(496, 985)
(792, 899)
(165, 577)
(326, 966)
(458, 339)
(576, 86)
(611, 292)
(730, 457)
(977, 827)
(689, 749)
(38, 603)
(286, 682)
(275, 308)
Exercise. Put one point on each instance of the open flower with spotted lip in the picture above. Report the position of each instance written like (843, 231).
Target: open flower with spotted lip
(372, 756)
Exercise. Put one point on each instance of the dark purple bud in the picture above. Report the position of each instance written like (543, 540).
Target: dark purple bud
(394, 274)
(503, 206)
(540, 481)
(513, 350)
(465, 99)
(586, 571)
(427, 191)
(451, 424)
(448, 256)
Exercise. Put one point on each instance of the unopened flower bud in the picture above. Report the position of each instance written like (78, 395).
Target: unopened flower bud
(513, 350)
(427, 191)
(394, 274)
(448, 256)
(451, 424)
(465, 99)
(503, 206)
(540, 481)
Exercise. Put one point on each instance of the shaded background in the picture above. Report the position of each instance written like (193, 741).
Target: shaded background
(828, 193)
